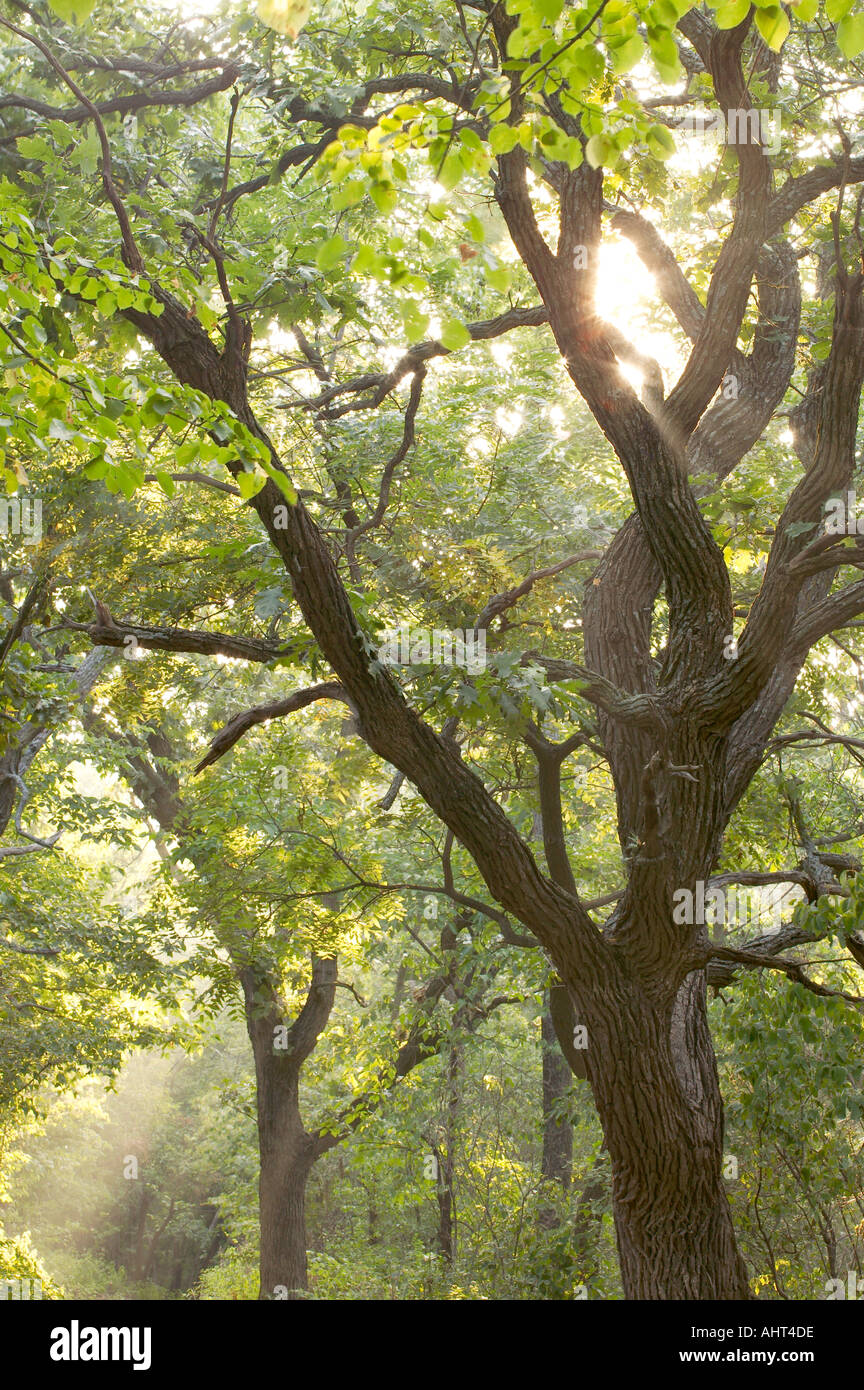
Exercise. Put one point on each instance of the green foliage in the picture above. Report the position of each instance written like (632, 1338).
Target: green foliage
(19, 1260)
(385, 237)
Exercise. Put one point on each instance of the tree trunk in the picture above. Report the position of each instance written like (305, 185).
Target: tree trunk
(446, 1234)
(557, 1159)
(286, 1151)
(556, 1162)
(138, 1256)
(284, 1172)
(655, 1084)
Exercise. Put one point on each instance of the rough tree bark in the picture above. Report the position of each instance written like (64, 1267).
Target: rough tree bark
(683, 730)
(287, 1151)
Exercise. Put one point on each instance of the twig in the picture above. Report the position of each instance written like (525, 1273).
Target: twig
(133, 255)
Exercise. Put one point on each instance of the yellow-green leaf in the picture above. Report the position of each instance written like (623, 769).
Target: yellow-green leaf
(625, 55)
(599, 150)
(731, 14)
(330, 252)
(455, 335)
(773, 25)
(850, 34)
(285, 16)
(77, 10)
(502, 139)
(249, 484)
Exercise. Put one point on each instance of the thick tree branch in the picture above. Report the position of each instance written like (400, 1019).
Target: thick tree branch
(175, 639)
(121, 106)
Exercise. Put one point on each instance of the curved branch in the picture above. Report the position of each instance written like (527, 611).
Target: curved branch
(639, 711)
(261, 714)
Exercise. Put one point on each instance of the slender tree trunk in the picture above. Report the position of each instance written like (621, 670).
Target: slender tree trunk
(138, 1257)
(556, 1163)
(157, 1236)
(446, 1237)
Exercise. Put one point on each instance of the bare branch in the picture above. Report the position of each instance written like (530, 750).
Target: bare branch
(380, 384)
(175, 639)
(390, 467)
(500, 603)
(260, 714)
(791, 968)
(132, 254)
(122, 106)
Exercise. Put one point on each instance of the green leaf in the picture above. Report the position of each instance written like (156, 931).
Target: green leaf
(850, 34)
(414, 321)
(665, 54)
(836, 9)
(285, 16)
(281, 480)
(86, 153)
(599, 150)
(773, 25)
(499, 278)
(186, 453)
(368, 262)
(451, 170)
(383, 196)
(663, 14)
(660, 141)
(349, 195)
(502, 139)
(68, 10)
(731, 14)
(475, 229)
(250, 484)
(34, 147)
(455, 335)
(626, 55)
(58, 430)
(330, 253)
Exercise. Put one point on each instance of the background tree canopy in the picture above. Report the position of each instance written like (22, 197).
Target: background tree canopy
(431, 785)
